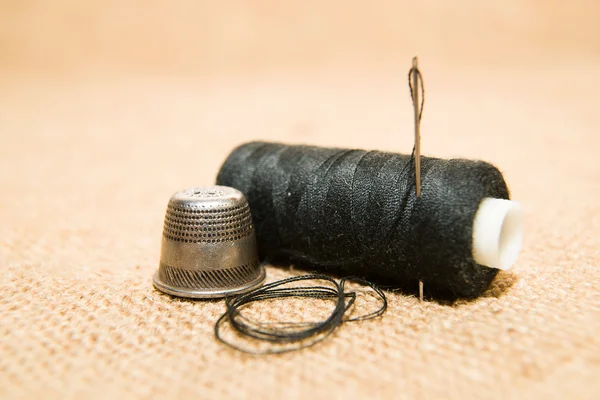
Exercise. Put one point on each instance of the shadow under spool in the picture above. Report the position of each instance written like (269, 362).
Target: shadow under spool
(355, 212)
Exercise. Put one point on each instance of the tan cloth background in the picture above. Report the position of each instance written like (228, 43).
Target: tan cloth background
(108, 107)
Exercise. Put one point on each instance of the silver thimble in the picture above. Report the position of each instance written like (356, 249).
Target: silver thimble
(208, 245)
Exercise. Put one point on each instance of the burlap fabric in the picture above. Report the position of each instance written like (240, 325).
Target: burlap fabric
(107, 109)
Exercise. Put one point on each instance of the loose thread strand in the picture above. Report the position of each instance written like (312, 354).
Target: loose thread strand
(303, 334)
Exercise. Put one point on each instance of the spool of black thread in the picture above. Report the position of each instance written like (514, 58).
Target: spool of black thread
(355, 212)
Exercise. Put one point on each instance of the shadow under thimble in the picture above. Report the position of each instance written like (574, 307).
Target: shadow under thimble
(208, 246)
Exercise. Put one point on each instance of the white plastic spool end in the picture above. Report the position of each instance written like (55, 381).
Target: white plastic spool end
(497, 233)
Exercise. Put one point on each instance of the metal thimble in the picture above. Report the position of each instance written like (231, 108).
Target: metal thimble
(208, 245)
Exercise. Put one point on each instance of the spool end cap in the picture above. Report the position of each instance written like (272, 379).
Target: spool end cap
(497, 233)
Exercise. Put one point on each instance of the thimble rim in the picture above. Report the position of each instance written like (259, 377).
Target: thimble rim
(208, 293)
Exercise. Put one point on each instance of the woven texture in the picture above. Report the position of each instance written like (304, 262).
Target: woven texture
(105, 111)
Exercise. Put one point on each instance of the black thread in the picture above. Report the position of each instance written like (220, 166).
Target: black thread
(299, 334)
(355, 212)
